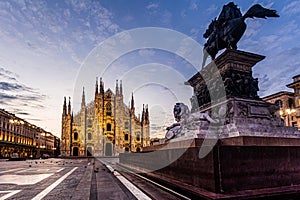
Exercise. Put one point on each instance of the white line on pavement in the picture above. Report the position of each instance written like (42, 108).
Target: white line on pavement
(11, 170)
(53, 185)
(33, 170)
(24, 170)
(132, 188)
(10, 193)
(22, 179)
(59, 170)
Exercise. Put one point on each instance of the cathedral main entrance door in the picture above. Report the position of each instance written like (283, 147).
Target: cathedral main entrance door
(89, 151)
(108, 149)
(75, 151)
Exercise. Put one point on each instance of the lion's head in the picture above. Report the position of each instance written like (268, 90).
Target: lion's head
(180, 111)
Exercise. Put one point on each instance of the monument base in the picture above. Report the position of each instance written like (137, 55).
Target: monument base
(249, 154)
(244, 166)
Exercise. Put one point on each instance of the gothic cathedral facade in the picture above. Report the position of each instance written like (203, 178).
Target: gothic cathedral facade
(104, 127)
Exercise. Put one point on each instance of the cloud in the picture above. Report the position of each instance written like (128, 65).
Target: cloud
(47, 40)
(183, 13)
(7, 74)
(252, 27)
(195, 33)
(269, 5)
(23, 113)
(291, 8)
(166, 17)
(12, 86)
(152, 6)
(278, 70)
(290, 28)
(212, 9)
(193, 5)
(14, 94)
(146, 52)
(5, 97)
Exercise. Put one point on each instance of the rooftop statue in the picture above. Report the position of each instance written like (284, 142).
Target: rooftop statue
(227, 30)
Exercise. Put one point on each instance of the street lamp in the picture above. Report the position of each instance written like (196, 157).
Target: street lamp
(287, 113)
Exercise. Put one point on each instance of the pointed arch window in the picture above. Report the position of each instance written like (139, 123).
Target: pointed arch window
(138, 136)
(75, 136)
(108, 127)
(89, 136)
(126, 125)
(108, 109)
(90, 123)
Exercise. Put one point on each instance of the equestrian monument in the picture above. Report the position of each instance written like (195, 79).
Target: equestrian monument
(237, 146)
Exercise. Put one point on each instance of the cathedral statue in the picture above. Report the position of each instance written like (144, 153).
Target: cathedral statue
(226, 30)
(186, 121)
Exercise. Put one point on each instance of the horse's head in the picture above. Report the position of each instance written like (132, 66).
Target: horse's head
(211, 28)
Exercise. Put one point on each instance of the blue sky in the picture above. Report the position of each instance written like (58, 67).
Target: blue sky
(44, 45)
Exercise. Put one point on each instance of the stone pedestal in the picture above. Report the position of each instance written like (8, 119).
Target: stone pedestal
(250, 153)
(230, 75)
(227, 90)
(237, 167)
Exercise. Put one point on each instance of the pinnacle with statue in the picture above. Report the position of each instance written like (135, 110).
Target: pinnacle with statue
(226, 30)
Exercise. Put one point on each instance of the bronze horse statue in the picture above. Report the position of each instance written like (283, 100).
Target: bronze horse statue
(227, 30)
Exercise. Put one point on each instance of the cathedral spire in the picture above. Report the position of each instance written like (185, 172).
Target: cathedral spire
(83, 99)
(147, 115)
(96, 90)
(132, 104)
(69, 106)
(117, 88)
(143, 114)
(65, 107)
(101, 86)
(121, 89)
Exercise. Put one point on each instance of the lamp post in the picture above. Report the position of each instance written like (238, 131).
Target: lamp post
(287, 113)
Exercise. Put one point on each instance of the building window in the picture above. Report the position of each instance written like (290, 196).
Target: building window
(75, 136)
(138, 137)
(108, 109)
(89, 136)
(90, 123)
(291, 103)
(126, 125)
(108, 127)
(126, 137)
(279, 103)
